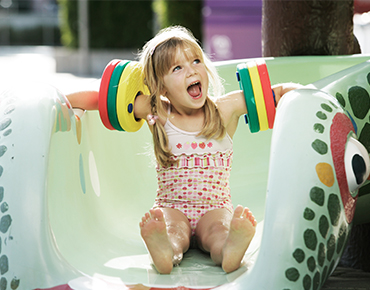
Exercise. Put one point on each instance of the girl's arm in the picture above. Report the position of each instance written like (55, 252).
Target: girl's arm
(89, 100)
(142, 107)
(86, 100)
(232, 106)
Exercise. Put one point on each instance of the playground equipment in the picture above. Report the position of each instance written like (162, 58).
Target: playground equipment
(72, 192)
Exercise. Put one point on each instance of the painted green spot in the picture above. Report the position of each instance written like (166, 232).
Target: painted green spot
(311, 264)
(321, 254)
(5, 123)
(7, 132)
(342, 235)
(323, 226)
(331, 247)
(318, 128)
(307, 282)
(4, 265)
(4, 207)
(327, 108)
(368, 78)
(334, 209)
(309, 214)
(321, 115)
(3, 149)
(3, 283)
(317, 195)
(292, 274)
(320, 146)
(1, 170)
(310, 239)
(360, 101)
(14, 284)
(5, 223)
(1, 193)
(364, 137)
(340, 99)
(316, 281)
(299, 255)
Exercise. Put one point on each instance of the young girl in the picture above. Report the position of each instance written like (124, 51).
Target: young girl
(192, 135)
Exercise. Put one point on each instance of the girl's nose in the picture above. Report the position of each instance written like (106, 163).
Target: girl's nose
(191, 71)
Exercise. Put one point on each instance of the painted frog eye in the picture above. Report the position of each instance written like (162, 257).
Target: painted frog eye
(356, 160)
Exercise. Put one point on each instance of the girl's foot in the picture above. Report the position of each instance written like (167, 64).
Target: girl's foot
(154, 232)
(242, 229)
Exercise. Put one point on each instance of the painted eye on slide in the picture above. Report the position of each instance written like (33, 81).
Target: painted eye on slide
(356, 160)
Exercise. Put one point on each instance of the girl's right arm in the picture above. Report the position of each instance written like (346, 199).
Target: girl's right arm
(86, 100)
(142, 107)
(89, 100)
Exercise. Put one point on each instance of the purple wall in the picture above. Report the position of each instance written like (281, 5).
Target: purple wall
(232, 28)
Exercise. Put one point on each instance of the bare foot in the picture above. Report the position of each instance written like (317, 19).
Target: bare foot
(154, 232)
(242, 229)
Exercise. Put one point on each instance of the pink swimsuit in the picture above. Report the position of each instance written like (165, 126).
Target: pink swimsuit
(199, 182)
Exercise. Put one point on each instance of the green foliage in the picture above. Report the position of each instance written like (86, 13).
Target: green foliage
(187, 13)
(117, 24)
(113, 24)
(68, 22)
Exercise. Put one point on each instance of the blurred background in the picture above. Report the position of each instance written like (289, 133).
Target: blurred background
(81, 36)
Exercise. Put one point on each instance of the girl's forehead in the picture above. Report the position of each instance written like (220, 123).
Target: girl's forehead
(185, 53)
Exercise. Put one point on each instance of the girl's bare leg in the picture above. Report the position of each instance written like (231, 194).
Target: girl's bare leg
(226, 236)
(166, 233)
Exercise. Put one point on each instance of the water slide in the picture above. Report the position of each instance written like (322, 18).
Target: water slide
(72, 192)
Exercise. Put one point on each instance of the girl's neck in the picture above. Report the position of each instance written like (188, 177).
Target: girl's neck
(187, 121)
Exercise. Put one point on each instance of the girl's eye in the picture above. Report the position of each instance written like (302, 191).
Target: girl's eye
(196, 61)
(177, 68)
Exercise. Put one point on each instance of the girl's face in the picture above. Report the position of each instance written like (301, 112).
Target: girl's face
(186, 82)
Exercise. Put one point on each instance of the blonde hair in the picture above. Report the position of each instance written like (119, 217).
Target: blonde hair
(156, 57)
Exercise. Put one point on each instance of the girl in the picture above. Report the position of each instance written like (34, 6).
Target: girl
(192, 135)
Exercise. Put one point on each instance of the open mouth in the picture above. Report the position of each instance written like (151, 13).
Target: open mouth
(195, 90)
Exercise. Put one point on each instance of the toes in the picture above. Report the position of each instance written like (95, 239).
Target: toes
(244, 212)
(253, 221)
(238, 211)
(250, 217)
(157, 214)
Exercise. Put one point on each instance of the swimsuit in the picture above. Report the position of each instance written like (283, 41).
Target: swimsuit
(199, 182)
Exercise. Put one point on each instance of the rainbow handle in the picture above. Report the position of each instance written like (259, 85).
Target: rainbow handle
(122, 81)
(255, 82)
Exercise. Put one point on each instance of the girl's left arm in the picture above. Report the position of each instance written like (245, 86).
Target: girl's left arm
(232, 106)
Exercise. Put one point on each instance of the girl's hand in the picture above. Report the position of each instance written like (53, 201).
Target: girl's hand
(281, 89)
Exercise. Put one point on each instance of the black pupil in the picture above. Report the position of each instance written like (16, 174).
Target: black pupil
(359, 168)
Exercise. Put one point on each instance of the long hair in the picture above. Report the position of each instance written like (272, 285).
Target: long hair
(156, 57)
